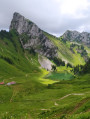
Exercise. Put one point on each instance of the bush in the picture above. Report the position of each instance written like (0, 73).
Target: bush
(69, 65)
(86, 67)
(6, 34)
(82, 47)
(53, 67)
(7, 59)
(32, 51)
(58, 61)
(84, 52)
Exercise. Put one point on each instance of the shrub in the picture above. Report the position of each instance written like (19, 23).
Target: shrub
(58, 61)
(53, 67)
(32, 51)
(7, 59)
(69, 65)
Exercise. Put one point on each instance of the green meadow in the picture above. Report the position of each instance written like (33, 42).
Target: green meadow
(39, 94)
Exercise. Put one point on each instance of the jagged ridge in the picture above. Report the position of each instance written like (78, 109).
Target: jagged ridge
(83, 37)
(32, 37)
(36, 39)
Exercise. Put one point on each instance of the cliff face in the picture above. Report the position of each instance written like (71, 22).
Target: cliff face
(83, 37)
(32, 36)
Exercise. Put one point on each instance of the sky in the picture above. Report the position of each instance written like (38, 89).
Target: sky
(52, 16)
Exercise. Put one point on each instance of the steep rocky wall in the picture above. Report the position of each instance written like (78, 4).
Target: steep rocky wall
(36, 39)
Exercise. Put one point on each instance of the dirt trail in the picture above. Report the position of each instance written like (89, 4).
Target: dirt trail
(70, 95)
(79, 105)
(45, 109)
(27, 57)
(15, 91)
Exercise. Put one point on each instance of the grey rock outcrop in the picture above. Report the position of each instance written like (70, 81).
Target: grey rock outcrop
(35, 37)
(45, 62)
(83, 37)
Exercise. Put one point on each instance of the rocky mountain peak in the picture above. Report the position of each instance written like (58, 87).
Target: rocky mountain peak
(71, 35)
(32, 36)
(83, 37)
(20, 23)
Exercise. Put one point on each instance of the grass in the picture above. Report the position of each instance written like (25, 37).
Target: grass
(88, 50)
(64, 51)
(32, 102)
(33, 96)
(43, 80)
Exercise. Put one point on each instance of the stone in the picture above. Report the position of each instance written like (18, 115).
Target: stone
(36, 38)
(83, 37)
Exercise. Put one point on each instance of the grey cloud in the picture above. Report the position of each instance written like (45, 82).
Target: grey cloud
(45, 13)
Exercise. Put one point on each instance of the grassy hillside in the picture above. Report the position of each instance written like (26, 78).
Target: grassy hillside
(64, 51)
(39, 94)
(65, 99)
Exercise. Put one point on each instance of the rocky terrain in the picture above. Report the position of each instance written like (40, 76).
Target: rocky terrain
(36, 40)
(32, 36)
(45, 63)
(83, 37)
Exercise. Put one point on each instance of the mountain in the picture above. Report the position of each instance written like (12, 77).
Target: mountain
(83, 37)
(32, 36)
(37, 82)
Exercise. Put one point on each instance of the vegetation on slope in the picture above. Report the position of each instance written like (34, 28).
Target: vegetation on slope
(29, 98)
(86, 67)
(15, 63)
(64, 51)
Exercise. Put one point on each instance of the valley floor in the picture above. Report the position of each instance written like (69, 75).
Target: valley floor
(66, 99)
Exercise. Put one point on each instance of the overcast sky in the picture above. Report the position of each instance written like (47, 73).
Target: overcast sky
(53, 16)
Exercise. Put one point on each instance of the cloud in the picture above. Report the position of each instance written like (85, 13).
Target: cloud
(53, 16)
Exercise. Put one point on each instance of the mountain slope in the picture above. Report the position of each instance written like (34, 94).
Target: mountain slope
(33, 96)
(16, 63)
(83, 37)
(32, 37)
(64, 51)
(13, 53)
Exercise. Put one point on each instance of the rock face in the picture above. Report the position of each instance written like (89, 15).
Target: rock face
(83, 37)
(45, 63)
(32, 36)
